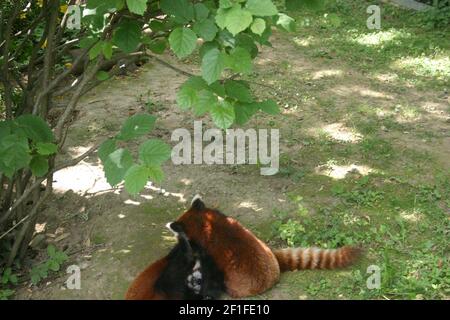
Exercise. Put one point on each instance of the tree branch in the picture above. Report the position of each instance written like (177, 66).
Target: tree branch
(6, 46)
(88, 76)
(61, 77)
(49, 56)
(37, 183)
(186, 73)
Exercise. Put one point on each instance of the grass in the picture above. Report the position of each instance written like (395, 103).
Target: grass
(404, 47)
(398, 211)
(402, 226)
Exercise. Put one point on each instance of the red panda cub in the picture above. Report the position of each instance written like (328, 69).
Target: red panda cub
(249, 266)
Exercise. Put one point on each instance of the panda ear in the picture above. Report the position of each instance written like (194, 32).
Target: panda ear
(197, 203)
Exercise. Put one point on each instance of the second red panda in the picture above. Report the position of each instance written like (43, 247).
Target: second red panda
(249, 266)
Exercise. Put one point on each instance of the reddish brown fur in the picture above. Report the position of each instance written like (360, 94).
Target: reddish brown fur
(142, 288)
(249, 265)
(314, 258)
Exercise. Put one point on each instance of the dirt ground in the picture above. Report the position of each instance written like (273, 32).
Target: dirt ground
(112, 236)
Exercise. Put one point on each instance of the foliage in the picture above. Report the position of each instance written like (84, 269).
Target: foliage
(47, 57)
(6, 293)
(437, 17)
(411, 268)
(8, 277)
(26, 142)
(53, 264)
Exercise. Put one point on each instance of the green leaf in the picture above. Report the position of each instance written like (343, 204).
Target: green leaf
(35, 279)
(116, 165)
(258, 26)
(261, 8)
(157, 25)
(92, 4)
(137, 6)
(205, 100)
(138, 175)
(5, 128)
(286, 23)
(107, 49)
(206, 29)
(102, 6)
(221, 18)
(95, 50)
(61, 256)
(154, 152)
(135, 126)
(39, 166)
(264, 37)
(14, 154)
(244, 111)
(218, 88)
(201, 11)
(51, 250)
(247, 42)
(213, 63)
(207, 46)
(237, 19)
(106, 148)
(225, 4)
(43, 271)
(182, 41)
(6, 276)
(157, 46)
(136, 178)
(155, 174)
(269, 106)
(7, 273)
(46, 148)
(182, 10)
(35, 128)
(53, 265)
(186, 97)
(237, 90)
(196, 82)
(222, 114)
(87, 42)
(240, 60)
(102, 75)
(128, 36)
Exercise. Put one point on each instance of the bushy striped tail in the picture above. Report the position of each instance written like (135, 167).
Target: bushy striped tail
(315, 258)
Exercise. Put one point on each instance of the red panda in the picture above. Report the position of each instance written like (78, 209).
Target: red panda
(248, 265)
